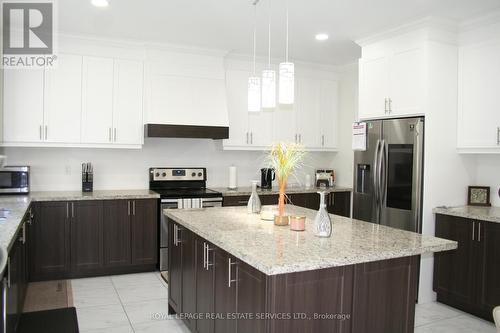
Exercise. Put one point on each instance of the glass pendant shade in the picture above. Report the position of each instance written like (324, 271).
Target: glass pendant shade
(254, 90)
(268, 89)
(287, 83)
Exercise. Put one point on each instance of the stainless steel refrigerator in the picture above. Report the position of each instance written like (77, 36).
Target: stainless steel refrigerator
(388, 176)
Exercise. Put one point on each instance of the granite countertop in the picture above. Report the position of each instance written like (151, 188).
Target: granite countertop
(278, 250)
(18, 205)
(247, 190)
(490, 214)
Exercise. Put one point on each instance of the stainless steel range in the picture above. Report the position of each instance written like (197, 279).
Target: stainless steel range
(180, 188)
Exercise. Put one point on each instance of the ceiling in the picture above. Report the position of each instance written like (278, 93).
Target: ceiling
(228, 24)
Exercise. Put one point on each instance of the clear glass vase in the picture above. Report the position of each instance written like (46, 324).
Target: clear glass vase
(322, 222)
(254, 205)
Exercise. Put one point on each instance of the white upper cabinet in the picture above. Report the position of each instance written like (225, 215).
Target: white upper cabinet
(391, 80)
(308, 116)
(23, 105)
(128, 102)
(97, 115)
(186, 89)
(329, 110)
(479, 97)
(63, 100)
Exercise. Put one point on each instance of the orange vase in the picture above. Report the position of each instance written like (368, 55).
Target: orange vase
(281, 198)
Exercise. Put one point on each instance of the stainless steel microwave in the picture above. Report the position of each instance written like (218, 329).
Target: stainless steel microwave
(14, 179)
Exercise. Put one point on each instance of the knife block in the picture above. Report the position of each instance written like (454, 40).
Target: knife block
(87, 182)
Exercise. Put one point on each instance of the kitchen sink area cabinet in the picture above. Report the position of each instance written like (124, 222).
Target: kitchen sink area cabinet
(86, 237)
(144, 225)
(49, 247)
(467, 278)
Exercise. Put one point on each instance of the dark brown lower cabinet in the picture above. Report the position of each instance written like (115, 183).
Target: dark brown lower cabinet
(338, 203)
(116, 226)
(49, 246)
(467, 278)
(376, 297)
(87, 255)
(92, 237)
(144, 226)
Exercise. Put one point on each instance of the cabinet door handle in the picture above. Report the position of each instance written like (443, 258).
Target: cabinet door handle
(230, 280)
(498, 135)
(323, 140)
(390, 105)
(300, 138)
(204, 255)
(4, 307)
(208, 264)
(109, 134)
(67, 210)
(479, 232)
(128, 208)
(73, 210)
(8, 272)
(133, 207)
(247, 137)
(46, 131)
(251, 138)
(385, 105)
(40, 132)
(115, 134)
(473, 230)
(175, 235)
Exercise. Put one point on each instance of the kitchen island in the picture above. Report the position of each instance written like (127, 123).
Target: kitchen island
(232, 272)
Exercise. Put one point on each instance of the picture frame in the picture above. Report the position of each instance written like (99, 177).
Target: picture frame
(478, 196)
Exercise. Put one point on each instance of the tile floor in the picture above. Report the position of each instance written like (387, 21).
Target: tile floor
(137, 303)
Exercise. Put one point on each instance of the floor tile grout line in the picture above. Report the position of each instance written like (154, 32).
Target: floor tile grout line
(123, 306)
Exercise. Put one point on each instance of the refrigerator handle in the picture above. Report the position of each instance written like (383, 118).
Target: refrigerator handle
(382, 169)
(375, 173)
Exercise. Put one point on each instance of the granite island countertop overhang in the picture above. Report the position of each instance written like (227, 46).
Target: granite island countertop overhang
(278, 250)
(18, 205)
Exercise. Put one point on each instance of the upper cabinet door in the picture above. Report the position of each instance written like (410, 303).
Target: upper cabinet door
(407, 75)
(308, 113)
(128, 102)
(373, 87)
(236, 94)
(63, 100)
(97, 115)
(23, 105)
(479, 98)
(328, 106)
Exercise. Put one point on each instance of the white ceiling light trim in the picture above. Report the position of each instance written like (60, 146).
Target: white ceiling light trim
(287, 74)
(100, 3)
(321, 37)
(269, 77)
(254, 87)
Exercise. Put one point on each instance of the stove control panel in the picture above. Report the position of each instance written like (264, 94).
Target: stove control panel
(172, 174)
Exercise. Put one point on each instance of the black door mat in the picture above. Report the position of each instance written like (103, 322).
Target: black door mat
(49, 321)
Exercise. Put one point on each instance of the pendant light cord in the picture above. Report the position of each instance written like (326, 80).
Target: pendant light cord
(254, 36)
(269, 51)
(286, 52)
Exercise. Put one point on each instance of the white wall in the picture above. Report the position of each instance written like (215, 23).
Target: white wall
(348, 108)
(59, 168)
(488, 174)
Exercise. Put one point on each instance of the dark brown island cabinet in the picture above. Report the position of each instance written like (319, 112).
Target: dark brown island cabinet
(338, 203)
(215, 292)
(468, 278)
(70, 239)
(15, 280)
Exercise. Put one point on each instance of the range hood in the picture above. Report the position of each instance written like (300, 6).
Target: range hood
(186, 131)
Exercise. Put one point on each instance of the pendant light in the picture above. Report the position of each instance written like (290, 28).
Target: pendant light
(254, 88)
(287, 75)
(269, 77)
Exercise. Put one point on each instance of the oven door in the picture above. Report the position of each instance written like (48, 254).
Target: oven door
(165, 204)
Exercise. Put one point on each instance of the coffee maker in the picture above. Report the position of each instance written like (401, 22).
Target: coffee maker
(325, 178)
(267, 175)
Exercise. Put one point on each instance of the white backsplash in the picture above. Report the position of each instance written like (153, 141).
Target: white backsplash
(59, 168)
